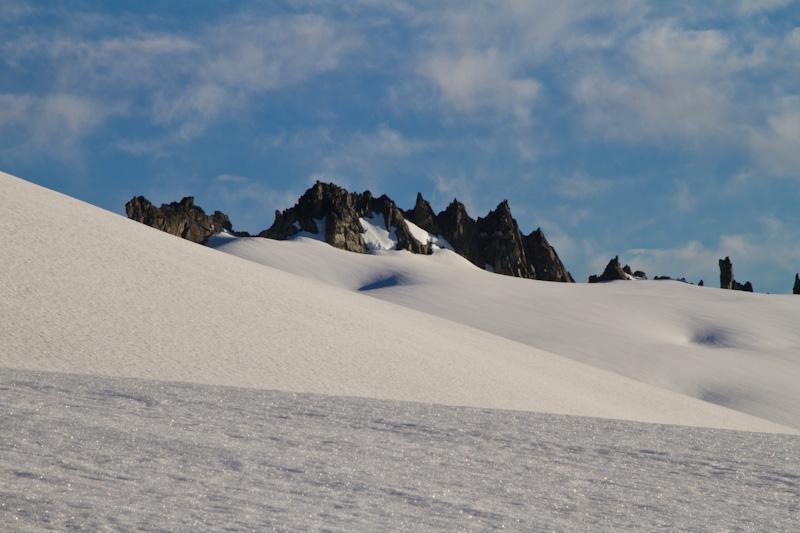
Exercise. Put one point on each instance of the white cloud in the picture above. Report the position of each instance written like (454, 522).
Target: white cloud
(54, 124)
(481, 80)
(581, 186)
(482, 56)
(231, 178)
(769, 253)
(369, 155)
(451, 187)
(777, 145)
(252, 201)
(749, 7)
(184, 83)
(683, 199)
(677, 86)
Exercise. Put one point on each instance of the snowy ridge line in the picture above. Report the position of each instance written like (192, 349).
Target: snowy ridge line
(737, 350)
(87, 291)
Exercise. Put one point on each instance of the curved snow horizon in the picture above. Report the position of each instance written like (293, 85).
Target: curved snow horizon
(90, 292)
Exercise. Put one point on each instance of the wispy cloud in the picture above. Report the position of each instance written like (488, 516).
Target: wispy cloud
(581, 186)
(676, 87)
(182, 82)
(480, 81)
(749, 7)
(777, 144)
(369, 156)
(55, 124)
(254, 201)
(683, 199)
(768, 253)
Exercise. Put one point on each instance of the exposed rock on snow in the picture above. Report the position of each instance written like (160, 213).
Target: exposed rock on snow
(422, 216)
(324, 201)
(89, 292)
(345, 220)
(612, 272)
(726, 279)
(495, 241)
(544, 258)
(796, 289)
(183, 219)
(503, 245)
(461, 231)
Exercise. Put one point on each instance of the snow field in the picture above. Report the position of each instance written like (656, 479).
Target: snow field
(89, 292)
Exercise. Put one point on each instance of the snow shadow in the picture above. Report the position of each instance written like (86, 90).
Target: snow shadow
(391, 281)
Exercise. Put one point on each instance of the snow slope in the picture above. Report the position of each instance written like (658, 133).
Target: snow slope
(87, 291)
(735, 349)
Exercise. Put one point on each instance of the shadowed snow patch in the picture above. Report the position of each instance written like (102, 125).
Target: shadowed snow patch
(714, 337)
(391, 281)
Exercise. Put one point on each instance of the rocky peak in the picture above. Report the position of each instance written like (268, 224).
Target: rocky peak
(494, 241)
(726, 279)
(544, 258)
(502, 243)
(393, 217)
(183, 219)
(458, 228)
(612, 272)
(322, 202)
(796, 289)
(341, 211)
(422, 215)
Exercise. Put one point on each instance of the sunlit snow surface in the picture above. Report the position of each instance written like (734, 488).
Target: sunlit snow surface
(376, 236)
(270, 400)
(92, 453)
(736, 349)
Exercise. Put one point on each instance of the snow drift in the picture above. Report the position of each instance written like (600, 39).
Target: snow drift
(87, 291)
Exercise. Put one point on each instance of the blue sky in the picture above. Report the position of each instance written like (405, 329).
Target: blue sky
(667, 133)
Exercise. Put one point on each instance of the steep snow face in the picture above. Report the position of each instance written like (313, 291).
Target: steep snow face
(424, 237)
(90, 292)
(376, 236)
(735, 349)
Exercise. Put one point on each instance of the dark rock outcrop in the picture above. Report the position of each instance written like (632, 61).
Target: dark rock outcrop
(339, 211)
(494, 241)
(796, 289)
(323, 202)
(612, 272)
(422, 215)
(726, 279)
(368, 207)
(502, 243)
(461, 231)
(183, 219)
(546, 264)
(726, 273)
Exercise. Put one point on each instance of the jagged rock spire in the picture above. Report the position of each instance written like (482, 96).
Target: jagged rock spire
(612, 272)
(544, 258)
(796, 289)
(502, 243)
(494, 241)
(726, 279)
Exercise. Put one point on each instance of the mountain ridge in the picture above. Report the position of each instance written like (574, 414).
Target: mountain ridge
(493, 242)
